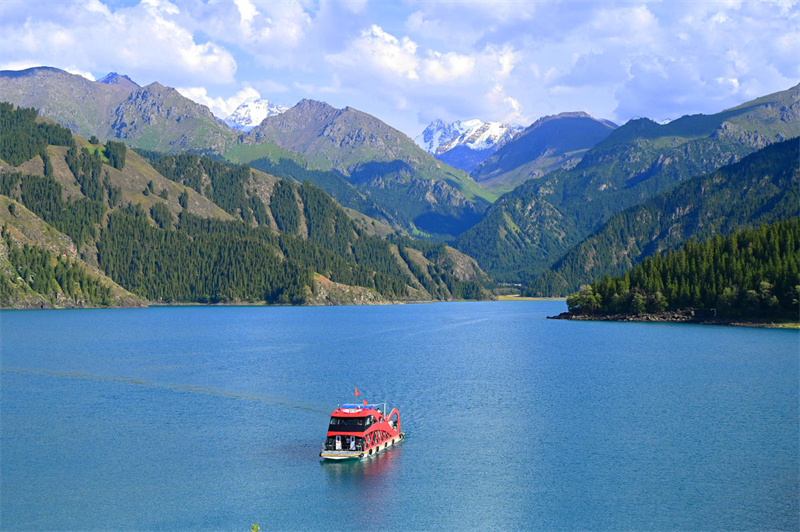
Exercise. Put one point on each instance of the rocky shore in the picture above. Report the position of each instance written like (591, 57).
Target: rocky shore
(671, 316)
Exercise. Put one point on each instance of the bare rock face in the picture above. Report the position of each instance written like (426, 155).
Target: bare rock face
(86, 107)
(327, 292)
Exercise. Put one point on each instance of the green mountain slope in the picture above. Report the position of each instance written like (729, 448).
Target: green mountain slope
(331, 182)
(549, 143)
(40, 267)
(528, 229)
(761, 188)
(385, 165)
(195, 229)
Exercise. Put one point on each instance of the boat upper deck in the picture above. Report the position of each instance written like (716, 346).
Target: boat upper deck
(355, 410)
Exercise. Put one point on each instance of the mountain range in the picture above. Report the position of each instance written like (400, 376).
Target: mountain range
(465, 144)
(417, 190)
(152, 117)
(530, 228)
(563, 178)
(371, 159)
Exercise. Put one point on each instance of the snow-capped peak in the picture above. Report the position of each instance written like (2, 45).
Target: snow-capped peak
(252, 112)
(440, 137)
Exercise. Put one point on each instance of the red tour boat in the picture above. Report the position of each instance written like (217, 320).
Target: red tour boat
(356, 431)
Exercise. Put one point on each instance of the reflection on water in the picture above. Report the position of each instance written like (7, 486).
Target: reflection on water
(380, 466)
(371, 482)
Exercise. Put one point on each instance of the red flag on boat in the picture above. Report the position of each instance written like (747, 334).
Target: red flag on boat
(365, 402)
(357, 394)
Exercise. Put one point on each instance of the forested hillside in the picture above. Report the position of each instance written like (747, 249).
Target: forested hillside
(40, 267)
(329, 181)
(158, 231)
(753, 272)
(36, 270)
(761, 188)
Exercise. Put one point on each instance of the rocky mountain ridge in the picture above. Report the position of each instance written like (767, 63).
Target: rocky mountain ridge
(411, 186)
(112, 78)
(549, 143)
(152, 117)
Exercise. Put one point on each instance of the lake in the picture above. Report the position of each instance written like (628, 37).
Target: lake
(212, 418)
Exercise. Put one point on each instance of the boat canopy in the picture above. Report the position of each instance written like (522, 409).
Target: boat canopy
(361, 407)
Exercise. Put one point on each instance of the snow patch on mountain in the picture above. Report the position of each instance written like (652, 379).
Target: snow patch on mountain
(440, 137)
(252, 112)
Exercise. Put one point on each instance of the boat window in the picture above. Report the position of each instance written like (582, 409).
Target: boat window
(348, 424)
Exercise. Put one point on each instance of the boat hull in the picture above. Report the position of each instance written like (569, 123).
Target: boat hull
(357, 455)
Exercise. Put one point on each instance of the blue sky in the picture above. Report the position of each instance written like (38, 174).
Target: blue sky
(408, 62)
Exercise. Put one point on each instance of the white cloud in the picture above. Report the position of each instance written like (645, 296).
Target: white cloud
(165, 6)
(416, 60)
(146, 41)
(383, 51)
(221, 107)
(447, 67)
(267, 30)
(515, 116)
(87, 75)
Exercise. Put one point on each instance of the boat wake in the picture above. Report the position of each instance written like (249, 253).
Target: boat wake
(189, 388)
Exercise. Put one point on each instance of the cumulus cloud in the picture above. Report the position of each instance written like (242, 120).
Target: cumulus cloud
(378, 49)
(268, 31)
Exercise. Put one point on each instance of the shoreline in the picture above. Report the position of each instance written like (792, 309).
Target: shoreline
(525, 298)
(150, 304)
(678, 317)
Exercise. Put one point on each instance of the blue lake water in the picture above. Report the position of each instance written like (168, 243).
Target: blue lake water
(212, 418)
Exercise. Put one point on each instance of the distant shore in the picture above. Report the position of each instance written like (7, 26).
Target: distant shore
(512, 297)
(679, 316)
